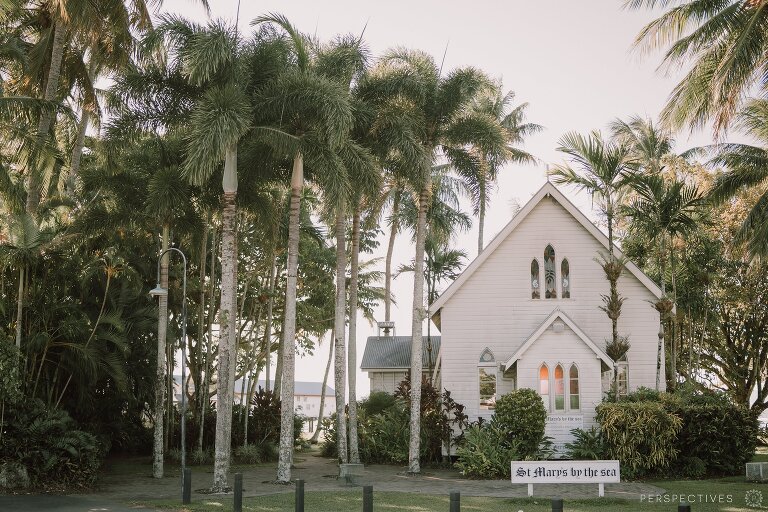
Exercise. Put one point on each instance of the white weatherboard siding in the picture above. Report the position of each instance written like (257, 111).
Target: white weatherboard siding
(492, 307)
(386, 380)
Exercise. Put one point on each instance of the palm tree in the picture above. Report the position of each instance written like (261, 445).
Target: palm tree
(315, 115)
(601, 169)
(438, 113)
(746, 168)
(66, 22)
(725, 41)
(481, 175)
(663, 210)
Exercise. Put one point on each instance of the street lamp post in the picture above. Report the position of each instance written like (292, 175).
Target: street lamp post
(159, 291)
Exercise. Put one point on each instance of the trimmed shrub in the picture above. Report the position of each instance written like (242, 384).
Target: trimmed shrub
(691, 467)
(714, 430)
(642, 435)
(486, 452)
(586, 445)
(521, 417)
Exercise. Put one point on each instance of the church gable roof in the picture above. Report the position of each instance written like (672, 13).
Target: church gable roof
(547, 190)
(558, 315)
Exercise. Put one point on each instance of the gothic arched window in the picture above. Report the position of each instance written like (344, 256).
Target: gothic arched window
(544, 384)
(559, 389)
(535, 280)
(565, 276)
(550, 281)
(573, 389)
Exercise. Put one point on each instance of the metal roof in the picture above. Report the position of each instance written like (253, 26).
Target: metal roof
(394, 352)
(301, 387)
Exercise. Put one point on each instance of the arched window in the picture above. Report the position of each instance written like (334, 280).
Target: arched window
(535, 280)
(550, 281)
(559, 389)
(544, 385)
(486, 369)
(622, 377)
(565, 276)
(573, 389)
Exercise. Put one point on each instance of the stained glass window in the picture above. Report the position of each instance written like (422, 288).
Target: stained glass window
(573, 391)
(559, 389)
(535, 283)
(565, 276)
(550, 283)
(544, 385)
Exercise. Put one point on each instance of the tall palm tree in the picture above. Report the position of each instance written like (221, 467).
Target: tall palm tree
(601, 168)
(437, 107)
(219, 119)
(663, 209)
(746, 168)
(315, 114)
(726, 43)
(481, 175)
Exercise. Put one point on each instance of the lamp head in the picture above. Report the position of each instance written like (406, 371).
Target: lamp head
(158, 291)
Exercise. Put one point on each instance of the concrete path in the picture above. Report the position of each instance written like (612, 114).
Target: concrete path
(129, 481)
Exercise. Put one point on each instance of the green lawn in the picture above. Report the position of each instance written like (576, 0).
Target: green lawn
(733, 489)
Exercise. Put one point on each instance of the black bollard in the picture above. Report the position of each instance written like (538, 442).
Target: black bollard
(455, 501)
(684, 507)
(557, 504)
(299, 495)
(237, 505)
(186, 486)
(368, 498)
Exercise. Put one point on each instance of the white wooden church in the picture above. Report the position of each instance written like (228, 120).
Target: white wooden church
(525, 314)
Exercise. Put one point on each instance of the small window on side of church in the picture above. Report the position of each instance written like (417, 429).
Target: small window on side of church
(565, 276)
(535, 280)
(487, 380)
(550, 281)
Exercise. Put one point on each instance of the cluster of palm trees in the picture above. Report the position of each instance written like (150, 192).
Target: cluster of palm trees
(295, 130)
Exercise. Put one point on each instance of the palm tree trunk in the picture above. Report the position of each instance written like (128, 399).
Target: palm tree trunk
(227, 324)
(209, 339)
(82, 127)
(662, 268)
(47, 117)
(481, 218)
(268, 327)
(339, 328)
(289, 325)
(418, 313)
(321, 411)
(354, 451)
(199, 391)
(388, 265)
(20, 307)
(162, 330)
(675, 328)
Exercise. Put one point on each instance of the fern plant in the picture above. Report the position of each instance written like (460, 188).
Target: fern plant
(586, 445)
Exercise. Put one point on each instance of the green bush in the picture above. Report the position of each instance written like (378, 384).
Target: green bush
(691, 467)
(642, 435)
(486, 452)
(48, 443)
(521, 416)
(721, 434)
(587, 445)
(376, 403)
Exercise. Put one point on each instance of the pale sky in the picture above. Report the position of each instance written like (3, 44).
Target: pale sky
(570, 60)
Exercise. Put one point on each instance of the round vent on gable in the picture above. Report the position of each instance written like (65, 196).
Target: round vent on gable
(558, 326)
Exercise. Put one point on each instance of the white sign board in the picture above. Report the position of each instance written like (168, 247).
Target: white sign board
(559, 426)
(565, 471)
